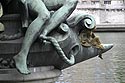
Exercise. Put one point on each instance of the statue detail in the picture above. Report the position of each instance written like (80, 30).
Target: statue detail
(50, 34)
(36, 27)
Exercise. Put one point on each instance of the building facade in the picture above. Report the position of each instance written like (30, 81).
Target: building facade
(104, 11)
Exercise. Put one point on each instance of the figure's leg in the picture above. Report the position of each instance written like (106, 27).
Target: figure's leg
(31, 34)
(60, 16)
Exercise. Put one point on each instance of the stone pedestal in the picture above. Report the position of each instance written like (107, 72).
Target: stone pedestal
(45, 74)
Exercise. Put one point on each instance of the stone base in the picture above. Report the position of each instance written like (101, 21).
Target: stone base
(45, 74)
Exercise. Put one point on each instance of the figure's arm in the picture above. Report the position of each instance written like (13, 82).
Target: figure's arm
(24, 13)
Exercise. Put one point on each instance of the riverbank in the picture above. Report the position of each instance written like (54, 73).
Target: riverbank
(110, 28)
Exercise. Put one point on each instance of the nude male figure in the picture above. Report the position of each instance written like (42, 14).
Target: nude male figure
(41, 9)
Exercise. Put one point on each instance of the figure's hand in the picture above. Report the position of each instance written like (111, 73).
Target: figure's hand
(43, 39)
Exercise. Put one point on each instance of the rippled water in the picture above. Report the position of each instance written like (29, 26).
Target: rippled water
(120, 67)
(109, 70)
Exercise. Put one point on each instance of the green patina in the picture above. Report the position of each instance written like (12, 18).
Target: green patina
(40, 8)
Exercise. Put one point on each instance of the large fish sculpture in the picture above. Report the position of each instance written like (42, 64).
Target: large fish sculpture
(44, 53)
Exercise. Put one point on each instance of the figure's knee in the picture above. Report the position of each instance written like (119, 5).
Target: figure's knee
(44, 16)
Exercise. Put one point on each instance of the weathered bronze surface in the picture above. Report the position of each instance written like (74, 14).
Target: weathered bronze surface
(50, 38)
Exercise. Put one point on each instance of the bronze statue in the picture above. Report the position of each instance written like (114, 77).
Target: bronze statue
(39, 8)
(66, 36)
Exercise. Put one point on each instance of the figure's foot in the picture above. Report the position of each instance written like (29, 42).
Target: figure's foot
(21, 65)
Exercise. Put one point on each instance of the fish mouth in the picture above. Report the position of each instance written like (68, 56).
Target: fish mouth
(106, 48)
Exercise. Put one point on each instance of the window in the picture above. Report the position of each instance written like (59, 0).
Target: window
(94, 2)
(107, 2)
(84, 2)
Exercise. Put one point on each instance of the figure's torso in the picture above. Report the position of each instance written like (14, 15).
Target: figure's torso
(11, 6)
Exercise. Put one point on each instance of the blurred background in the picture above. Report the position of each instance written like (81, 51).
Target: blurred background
(110, 20)
(104, 11)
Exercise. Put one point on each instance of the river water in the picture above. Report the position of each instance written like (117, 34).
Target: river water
(109, 70)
